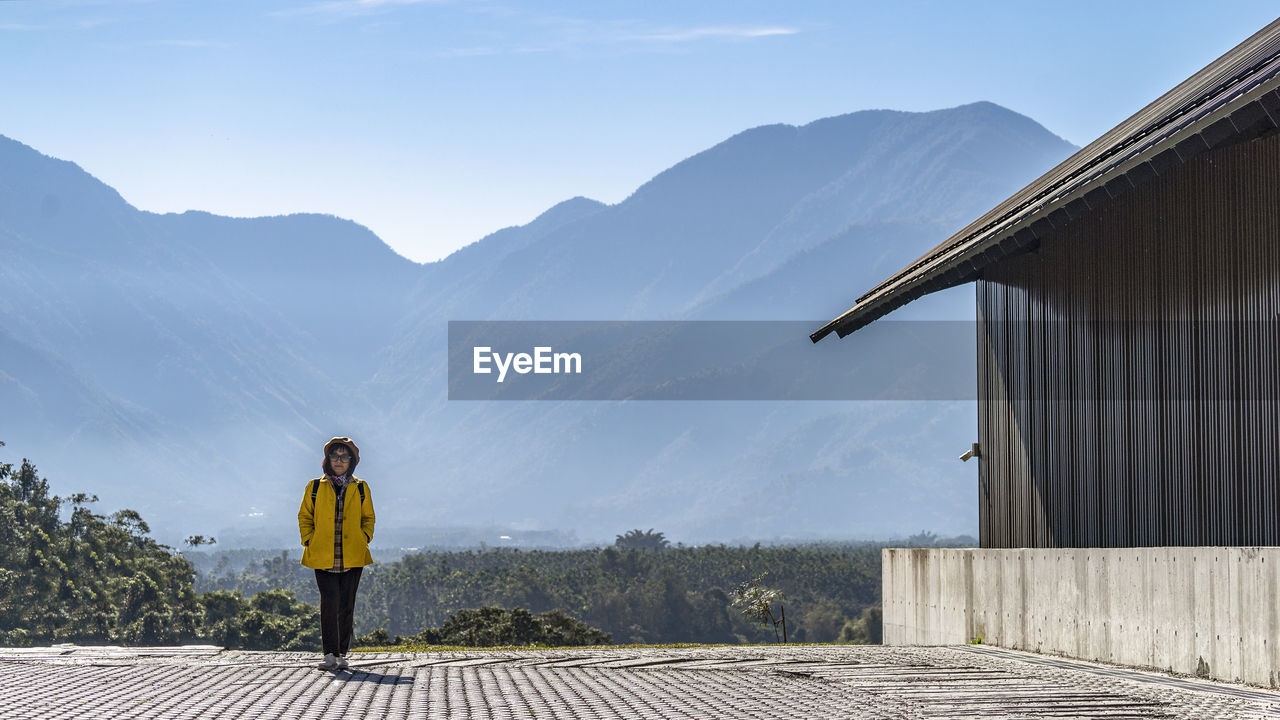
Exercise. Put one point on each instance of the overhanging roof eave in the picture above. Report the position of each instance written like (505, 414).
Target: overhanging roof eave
(1234, 98)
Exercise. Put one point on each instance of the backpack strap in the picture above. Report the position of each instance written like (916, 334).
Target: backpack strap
(315, 487)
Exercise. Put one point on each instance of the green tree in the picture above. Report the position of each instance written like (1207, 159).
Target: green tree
(868, 629)
(756, 602)
(223, 611)
(823, 622)
(276, 620)
(96, 578)
(924, 538)
(642, 540)
(560, 629)
(490, 626)
(91, 578)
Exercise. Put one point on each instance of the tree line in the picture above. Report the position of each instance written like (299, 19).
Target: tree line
(94, 578)
(101, 579)
(640, 590)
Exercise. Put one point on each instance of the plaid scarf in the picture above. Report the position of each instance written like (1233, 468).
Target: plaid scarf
(339, 487)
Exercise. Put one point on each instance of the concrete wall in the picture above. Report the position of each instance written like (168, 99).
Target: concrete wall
(1207, 611)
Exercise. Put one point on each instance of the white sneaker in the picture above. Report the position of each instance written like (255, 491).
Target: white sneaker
(329, 663)
(342, 663)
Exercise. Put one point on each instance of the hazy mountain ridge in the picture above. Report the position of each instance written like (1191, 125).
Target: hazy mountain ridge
(152, 325)
(939, 168)
(727, 218)
(185, 340)
(735, 211)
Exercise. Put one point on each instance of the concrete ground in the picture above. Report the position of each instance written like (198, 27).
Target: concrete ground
(804, 683)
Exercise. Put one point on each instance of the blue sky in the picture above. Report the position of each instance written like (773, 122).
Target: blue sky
(435, 122)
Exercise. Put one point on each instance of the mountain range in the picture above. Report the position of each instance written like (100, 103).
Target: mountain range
(190, 366)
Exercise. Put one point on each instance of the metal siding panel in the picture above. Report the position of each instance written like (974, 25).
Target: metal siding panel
(987, 438)
(1131, 374)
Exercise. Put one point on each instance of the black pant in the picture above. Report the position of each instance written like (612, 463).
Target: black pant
(337, 606)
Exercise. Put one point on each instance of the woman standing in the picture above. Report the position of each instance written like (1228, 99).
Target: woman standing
(336, 524)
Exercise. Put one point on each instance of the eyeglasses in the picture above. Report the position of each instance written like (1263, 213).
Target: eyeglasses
(334, 457)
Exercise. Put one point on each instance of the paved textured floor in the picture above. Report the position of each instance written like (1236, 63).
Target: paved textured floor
(804, 683)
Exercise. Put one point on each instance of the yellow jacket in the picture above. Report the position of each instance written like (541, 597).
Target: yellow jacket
(315, 524)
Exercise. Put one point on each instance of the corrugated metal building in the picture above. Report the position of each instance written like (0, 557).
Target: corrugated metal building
(1127, 326)
(1128, 320)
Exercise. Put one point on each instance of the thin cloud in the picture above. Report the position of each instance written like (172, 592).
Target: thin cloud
(94, 23)
(710, 33)
(191, 43)
(337, 9)
(472, 52)
(490, 51)
(571, 35)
